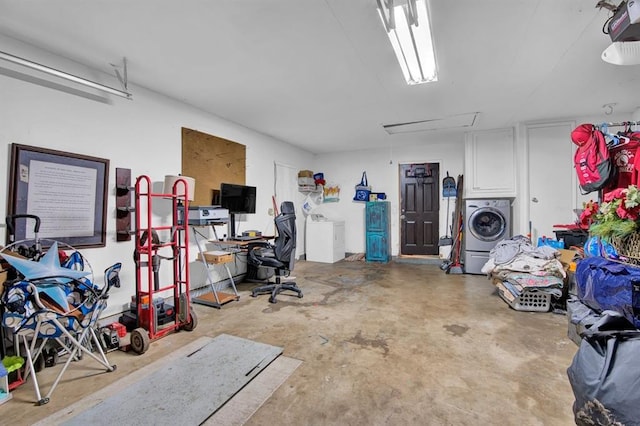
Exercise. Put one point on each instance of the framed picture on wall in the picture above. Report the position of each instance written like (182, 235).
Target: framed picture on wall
(68, 192)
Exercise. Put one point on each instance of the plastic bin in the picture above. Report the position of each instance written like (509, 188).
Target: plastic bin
(545, 241)
(572, 237)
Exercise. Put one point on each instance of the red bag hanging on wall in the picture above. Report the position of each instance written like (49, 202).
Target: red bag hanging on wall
(591, 160)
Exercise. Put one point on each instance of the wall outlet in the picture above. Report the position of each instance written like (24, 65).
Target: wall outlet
(270, 211)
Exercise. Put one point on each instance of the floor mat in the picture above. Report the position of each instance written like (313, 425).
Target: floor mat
(186, 389)
(239, 409)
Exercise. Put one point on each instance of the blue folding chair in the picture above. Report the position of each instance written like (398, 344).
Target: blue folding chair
(60, 307)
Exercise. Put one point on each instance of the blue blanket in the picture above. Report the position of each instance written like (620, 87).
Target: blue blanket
(607, 285)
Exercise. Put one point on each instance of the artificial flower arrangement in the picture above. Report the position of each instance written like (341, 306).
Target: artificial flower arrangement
(588, 215)
(616, 217)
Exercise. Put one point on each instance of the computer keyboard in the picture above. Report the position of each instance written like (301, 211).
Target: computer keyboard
(244, 238)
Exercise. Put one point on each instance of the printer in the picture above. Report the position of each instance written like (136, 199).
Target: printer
(204, 215)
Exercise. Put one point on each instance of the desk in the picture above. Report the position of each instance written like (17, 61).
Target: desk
(242, 244)
(254, 274)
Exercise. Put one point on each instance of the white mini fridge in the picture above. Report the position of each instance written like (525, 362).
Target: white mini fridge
(324, 239)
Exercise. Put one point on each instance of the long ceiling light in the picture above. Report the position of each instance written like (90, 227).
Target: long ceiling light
(407, 25)
(64, 75)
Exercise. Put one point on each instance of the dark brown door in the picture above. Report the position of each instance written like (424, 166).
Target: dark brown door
(419, 208)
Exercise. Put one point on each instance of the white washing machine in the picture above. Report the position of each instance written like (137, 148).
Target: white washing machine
(486, 221)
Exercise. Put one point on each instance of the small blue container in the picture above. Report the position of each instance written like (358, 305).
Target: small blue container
(544, 241)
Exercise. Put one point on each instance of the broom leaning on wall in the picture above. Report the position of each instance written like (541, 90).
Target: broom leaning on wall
(448, 191)
(453, 265)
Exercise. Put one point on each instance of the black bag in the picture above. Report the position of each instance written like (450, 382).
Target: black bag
(605, 374)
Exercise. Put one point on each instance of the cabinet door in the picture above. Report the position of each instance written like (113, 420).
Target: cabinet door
(377, 216)
(377, 247)
(490, 164)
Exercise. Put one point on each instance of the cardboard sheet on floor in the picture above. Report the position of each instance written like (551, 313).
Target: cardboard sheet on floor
(189, 390)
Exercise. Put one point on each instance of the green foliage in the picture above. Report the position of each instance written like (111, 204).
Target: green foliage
(632, 198)
(613, 228)
(619, 215)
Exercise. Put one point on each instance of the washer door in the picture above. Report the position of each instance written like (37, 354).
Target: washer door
(487, 224)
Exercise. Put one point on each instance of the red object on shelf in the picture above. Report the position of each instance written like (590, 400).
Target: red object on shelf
(568, 226)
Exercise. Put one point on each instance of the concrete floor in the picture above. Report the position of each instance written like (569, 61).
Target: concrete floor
(394, 344)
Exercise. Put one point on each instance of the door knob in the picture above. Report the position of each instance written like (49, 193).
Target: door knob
(403, 217)
(534, 200)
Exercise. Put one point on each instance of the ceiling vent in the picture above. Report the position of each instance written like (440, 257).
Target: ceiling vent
(451, 122)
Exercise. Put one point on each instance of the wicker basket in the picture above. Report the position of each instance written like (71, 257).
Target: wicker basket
(628, 248)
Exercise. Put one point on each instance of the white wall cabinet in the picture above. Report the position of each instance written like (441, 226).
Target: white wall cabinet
(325, 241)
(490, 164)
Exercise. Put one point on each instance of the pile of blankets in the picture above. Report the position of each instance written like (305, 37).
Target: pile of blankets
(517, 266)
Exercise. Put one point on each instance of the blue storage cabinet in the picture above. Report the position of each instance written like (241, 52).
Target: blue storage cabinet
(378, 236)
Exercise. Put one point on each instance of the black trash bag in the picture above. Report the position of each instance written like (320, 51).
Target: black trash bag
(605, 373)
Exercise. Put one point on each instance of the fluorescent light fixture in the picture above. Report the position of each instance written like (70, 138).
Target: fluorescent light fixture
(451, 122)
(62, 74)
(622, 53)
(407, 25)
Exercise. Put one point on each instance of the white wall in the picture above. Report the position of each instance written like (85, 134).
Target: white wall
(143, 135)
(345, 169)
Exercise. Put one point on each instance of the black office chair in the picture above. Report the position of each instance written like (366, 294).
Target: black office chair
(280, 255)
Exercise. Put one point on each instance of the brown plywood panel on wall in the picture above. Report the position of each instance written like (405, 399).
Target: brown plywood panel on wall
(211, 160)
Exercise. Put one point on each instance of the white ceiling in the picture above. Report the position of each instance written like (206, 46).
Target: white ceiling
(321, 74)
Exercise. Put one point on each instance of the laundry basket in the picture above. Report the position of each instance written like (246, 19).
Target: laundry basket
(531, 300)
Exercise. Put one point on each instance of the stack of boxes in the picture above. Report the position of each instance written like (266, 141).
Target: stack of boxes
(306, 182)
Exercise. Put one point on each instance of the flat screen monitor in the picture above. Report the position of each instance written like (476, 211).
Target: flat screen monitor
(239, 199)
